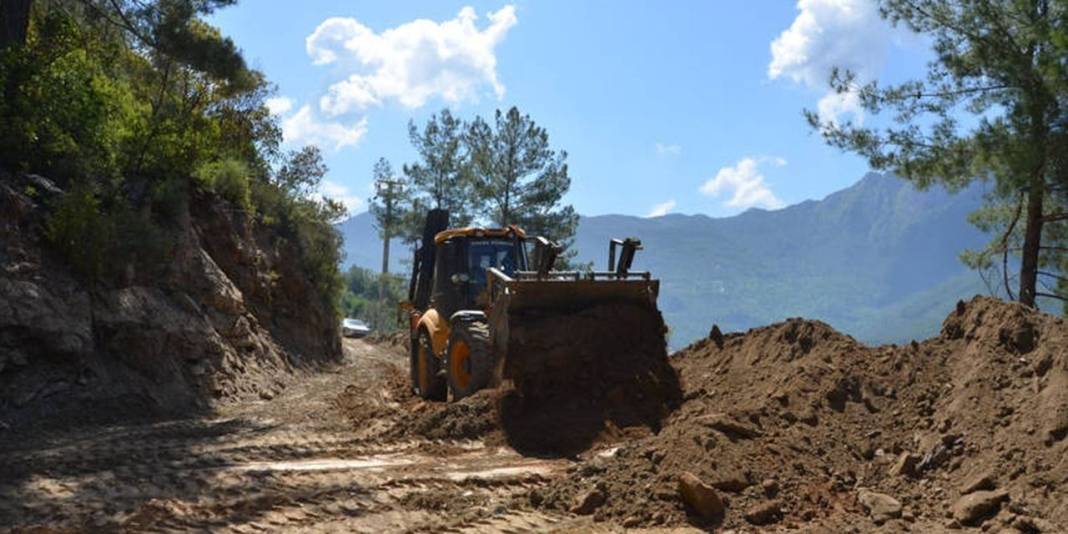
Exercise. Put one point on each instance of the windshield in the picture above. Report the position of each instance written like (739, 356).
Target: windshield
(484, 254)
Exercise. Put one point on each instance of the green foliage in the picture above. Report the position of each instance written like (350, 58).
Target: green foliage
(1002, 63)
(518, 178)
(64, 112)
(499, 174)
(129, 105)
(284, 202)
(102, 243)
(229, 178)
(441, 178)
(360, 298)
(80, 232)
(391, 203)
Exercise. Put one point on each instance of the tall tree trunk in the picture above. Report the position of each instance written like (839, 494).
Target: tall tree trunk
(1032, 243)
(14, 21)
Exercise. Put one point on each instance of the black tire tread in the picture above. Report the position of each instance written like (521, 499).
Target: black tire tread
(437, 390)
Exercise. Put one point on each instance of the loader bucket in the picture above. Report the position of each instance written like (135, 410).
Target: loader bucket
(576, 294)
(580, 349)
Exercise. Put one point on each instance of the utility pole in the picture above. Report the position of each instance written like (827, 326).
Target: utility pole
(389, 190)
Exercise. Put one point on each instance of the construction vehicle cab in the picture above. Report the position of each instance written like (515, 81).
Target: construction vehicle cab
(471, 287)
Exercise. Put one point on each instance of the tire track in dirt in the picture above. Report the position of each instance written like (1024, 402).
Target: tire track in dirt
(290, 464)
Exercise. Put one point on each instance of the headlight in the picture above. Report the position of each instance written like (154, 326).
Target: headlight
(459, 278)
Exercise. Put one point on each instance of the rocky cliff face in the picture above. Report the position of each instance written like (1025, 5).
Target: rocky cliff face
(232, 317)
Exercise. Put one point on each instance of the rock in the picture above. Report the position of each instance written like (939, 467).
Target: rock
(973, 508)
(52, 318)
(770, 487)
(586, 503)
(905, 466)
(730, 427)
(716, 336)
(1033, 524)
(700, 497)
(934, 458)
(731, 483)
(880, 507)
(981, 481)
(764, 513)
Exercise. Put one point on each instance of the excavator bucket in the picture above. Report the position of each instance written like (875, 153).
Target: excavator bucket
(572, 291)
(580, 353)
(559, 326)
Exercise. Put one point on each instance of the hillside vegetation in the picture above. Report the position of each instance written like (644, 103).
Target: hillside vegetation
(878, 260)
(156, 244)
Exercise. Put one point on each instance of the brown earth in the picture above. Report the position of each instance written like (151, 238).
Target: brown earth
(293, 463)
(797, 426)
(790, 427)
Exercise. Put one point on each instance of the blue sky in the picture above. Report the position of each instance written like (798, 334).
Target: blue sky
(682, 107)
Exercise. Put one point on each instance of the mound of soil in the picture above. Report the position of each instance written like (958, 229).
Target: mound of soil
(597, 374)
(796, 425)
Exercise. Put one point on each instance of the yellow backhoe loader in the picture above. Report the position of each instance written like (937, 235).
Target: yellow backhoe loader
(484, 303)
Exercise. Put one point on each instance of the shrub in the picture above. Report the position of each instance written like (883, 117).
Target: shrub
(228, 178)
(100, 240)
(80, 233)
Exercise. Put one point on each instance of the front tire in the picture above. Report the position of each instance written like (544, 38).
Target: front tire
(469, 359)
(427, 381)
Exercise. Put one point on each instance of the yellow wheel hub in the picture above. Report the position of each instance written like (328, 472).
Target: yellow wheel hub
(460, 364)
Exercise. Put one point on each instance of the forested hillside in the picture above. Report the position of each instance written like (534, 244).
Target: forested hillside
(878, 260)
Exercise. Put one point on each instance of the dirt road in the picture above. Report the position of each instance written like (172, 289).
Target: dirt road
(297, 462)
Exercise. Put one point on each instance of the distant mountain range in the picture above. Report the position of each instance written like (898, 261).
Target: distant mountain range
(878, 260)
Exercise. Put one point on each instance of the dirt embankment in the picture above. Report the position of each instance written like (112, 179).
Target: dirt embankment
(228, 317)
(795, 425)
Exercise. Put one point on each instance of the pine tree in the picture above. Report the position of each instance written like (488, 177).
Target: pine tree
(389, 206)
(518, 178)
(442, 176)
(1003, 64)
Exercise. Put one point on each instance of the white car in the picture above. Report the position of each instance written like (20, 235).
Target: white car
(354, 328)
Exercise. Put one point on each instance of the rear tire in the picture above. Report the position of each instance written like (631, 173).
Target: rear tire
(469, 359)
(427, 381)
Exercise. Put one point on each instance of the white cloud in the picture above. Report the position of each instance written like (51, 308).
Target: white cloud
(744, 185)
(848, 34)
(411, 63)
(834, 105)
(279, 105)
(666, 149)
(342, 194)
(303, 127)
(661, 209)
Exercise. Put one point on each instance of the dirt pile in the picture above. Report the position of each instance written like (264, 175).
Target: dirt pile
(599, 373)
(797, 425)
